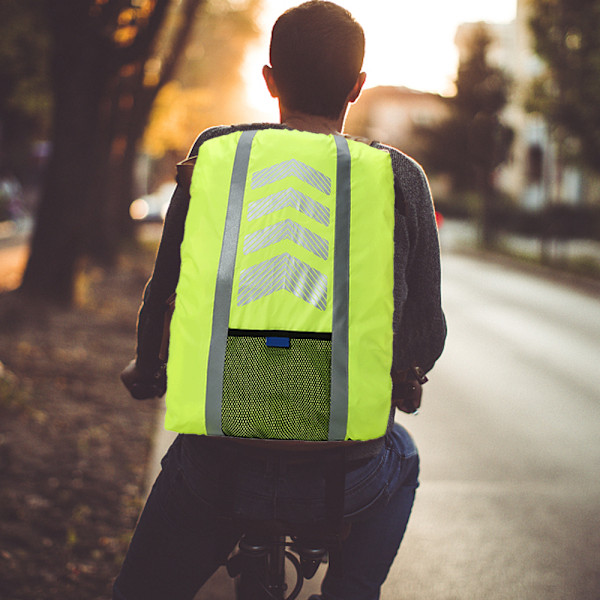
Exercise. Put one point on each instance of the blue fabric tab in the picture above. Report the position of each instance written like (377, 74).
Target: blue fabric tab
(278, 342)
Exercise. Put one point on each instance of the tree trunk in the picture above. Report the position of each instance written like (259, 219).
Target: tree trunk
(143, 99)
(63, 219)
(101, 108)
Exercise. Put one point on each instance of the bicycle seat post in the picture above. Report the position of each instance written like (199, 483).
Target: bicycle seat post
(276, 566)
(259, 566)
(263, 571)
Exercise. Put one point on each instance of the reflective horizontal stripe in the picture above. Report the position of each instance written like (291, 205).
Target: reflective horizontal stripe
(287, 230)
(289, 198)
(292, 167)
(283, 272)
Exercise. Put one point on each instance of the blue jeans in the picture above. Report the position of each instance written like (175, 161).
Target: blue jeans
(181, 538)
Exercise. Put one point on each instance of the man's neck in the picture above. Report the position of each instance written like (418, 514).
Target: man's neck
(313, 123)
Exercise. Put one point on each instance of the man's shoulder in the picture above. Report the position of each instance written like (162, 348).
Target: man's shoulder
(410, 180)
(401, 162)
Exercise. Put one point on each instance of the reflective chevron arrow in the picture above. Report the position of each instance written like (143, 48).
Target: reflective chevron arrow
(289, 198)
(287, 230)
(283, 272)
(293, 167)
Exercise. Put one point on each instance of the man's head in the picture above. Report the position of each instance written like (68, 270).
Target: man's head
(316, 54)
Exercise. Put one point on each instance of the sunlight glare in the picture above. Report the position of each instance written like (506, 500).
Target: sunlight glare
(408, 43)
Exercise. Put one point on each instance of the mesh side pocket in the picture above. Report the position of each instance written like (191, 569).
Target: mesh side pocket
(277, 393)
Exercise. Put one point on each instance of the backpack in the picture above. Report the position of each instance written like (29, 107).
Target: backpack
(282, 328)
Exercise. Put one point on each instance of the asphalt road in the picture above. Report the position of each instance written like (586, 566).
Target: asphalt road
(509, 436)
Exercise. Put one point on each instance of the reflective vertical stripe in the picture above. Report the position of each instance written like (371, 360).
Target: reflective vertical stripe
(338, 420)
(220, 322)
(296, 168)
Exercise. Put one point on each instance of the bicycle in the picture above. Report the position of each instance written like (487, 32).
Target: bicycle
(259, 563)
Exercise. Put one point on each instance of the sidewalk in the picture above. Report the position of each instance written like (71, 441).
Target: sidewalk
(523, 253)
(462, 235)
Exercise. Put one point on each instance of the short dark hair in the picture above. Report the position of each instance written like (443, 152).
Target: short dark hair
(316, 53)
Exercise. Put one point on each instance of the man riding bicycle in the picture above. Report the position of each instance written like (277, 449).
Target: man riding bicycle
(186, 531)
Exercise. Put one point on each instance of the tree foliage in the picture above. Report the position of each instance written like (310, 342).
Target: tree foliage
(567, 38)
(207, 88)
(472, 141)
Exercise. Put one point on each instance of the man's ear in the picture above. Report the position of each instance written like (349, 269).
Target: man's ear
(358, 86)
(270, 81)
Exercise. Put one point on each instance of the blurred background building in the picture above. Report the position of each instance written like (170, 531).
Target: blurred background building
(541, 183)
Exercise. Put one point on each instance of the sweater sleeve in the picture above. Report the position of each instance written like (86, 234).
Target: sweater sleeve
(165, 275)
(419, 323)
(161, 284)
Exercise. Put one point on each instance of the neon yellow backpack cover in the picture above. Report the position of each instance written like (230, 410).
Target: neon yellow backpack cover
(283, 322)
